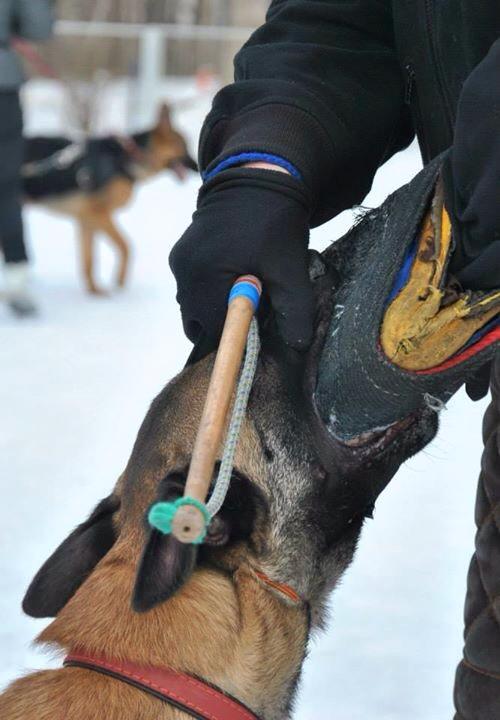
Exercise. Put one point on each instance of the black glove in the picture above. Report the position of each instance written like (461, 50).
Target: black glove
(248, 221)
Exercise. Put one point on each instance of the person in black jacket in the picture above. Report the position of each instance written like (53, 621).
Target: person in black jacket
(324, 93)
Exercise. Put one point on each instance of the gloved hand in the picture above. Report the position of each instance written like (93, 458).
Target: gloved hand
(247, 220)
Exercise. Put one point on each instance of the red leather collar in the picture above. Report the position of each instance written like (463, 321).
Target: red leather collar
(195, 697)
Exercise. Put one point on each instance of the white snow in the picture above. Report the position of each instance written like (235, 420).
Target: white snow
(75, 385)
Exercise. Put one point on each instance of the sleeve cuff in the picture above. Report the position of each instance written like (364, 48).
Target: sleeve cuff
(278, 129)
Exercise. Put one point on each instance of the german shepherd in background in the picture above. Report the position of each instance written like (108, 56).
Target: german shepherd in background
(89, 181)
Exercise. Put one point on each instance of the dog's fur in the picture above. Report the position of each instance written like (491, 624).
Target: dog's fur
(294, 512)
(163, 147)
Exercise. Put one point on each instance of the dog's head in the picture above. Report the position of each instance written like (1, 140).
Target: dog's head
(294, 510)
(167, 148)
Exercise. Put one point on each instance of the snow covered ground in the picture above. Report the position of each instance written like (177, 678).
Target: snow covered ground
(75, 385)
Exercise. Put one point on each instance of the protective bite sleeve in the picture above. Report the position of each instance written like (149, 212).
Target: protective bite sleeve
(402, 334)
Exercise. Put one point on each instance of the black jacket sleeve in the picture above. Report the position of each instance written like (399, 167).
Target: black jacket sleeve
(472, 177)
(477, 683)
(319, 84)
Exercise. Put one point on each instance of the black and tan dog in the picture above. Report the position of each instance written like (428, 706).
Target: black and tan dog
(287, 532)
(89, 181)
(290, 521)
(236, 633)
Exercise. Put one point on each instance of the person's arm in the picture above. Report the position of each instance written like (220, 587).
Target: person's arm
(319, 85)
(34, 19)
(472, 177)
(318, 93)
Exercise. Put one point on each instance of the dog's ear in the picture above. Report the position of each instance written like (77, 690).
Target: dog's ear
(62, 574)
(166, 563)
(165, 566)
(164, 123)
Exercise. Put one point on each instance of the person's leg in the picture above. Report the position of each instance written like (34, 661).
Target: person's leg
(11, 223)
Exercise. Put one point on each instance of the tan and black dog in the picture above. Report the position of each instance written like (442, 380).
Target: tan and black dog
(89, 181)
(285, 535)
(232, 620)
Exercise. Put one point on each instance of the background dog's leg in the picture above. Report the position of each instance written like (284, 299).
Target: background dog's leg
(87, 233)
(106, 225)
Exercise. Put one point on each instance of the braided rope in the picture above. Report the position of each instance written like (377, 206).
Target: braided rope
(239, 409)
(163, 516)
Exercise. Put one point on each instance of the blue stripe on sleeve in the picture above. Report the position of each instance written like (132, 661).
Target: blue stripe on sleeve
(244, 157)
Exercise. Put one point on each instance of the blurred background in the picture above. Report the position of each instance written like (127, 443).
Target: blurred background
(77, 379)
(110, 52)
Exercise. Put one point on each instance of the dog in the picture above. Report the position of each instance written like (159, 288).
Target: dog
(89, 181)
(148, 635)
(240, 625)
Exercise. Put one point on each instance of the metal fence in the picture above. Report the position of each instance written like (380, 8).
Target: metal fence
(81, 48)
(143, 63)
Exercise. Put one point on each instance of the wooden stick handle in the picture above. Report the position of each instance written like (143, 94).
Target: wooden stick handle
(188, 520)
